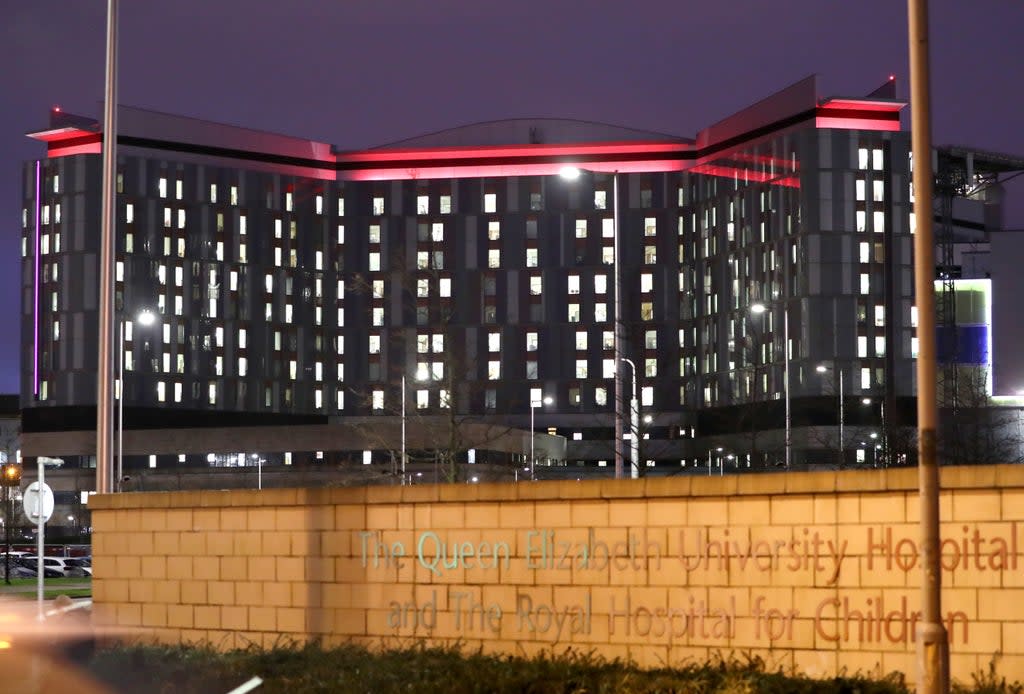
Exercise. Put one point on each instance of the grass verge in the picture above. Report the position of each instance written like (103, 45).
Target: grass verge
(52, 587)
(311, 669)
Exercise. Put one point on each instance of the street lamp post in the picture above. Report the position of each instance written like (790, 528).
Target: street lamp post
(145, 318)
(760, 308)
(837, 371)
(533, 457)
(634, 425)
(421, 375)
(572, 173)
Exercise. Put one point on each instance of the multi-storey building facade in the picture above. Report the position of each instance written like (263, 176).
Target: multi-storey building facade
(296, 284)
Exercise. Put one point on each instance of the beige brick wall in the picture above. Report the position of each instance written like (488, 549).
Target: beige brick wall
(818, 571)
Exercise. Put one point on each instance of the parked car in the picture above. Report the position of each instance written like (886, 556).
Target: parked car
(53, 567)
(77, 568)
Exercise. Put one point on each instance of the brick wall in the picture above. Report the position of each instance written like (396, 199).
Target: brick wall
(816, 571)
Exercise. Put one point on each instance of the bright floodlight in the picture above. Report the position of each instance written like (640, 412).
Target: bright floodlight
(821, 368)
(569, 173)
(757, 308)
(866, 401)
(146, 317)
(548, 400)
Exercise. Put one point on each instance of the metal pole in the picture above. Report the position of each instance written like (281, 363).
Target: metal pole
(617, 317)
(106, 298)
(533, 456)
(785, 383)
(120, 409)
(932, 643)
(7, 534)
(403, 429)
(40, 530)
(842, 417)
(634, 425)
(709, 462)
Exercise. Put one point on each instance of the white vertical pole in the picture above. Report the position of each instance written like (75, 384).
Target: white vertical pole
(617, 335)
(104, 410)
(403, 429)
(120, 409)
(841, 415)
(785, 384)
(533, 457)
(40, 544)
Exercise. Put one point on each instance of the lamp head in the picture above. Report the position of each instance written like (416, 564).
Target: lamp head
(146, 317)
(758, 308)
(821, 368)
(548, 400)
(569, 173)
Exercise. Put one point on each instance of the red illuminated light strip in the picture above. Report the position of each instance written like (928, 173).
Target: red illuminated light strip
(499, 170)
(532, 151)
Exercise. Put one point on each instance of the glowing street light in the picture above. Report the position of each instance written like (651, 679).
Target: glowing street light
(533, 408)
(573, 173)
(758, 309)
(145, 318)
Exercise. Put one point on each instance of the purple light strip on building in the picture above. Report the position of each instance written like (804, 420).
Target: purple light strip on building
(35, 317)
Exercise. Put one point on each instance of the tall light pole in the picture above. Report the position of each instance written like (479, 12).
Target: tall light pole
(634, 425)
(105, 333)
(572, 173)
(837, 372)
(758, 309)
(932, 641)
(533, 407)
(144, 318)
(421, 375)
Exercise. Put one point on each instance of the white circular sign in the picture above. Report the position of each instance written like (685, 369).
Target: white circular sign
(32, 500)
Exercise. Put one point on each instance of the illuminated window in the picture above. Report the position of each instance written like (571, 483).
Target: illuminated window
(860, 188)
(651, 339)
(374, 344)
(536, 285)
(161, 187)
(862, 158)
(378, 206)
(288, 202)
(341, 207)
(178, 189)
(650, 226)
(374, 262)
(422, 204)
(865, 378)
(862, 346)
(581, 340)
(437, 231)
(422, 399)
(650, 255)
(600, 200)
(574, 313)
(377, 400)
(879, 315)
(646, 282)
(581, 368)
(601, 396)
(493, 370)
(608, 368)
(880, 346)
(531, 369)
(647, 396)
(600, 312)
(650, 367)
(445, 287)
(445, 204)
(581, 228)
(647, 310)
(877, 160)
(878, 220)
(494, 342)
(493, 258)
(422, 287)
(608, 228)
(129, 213)
(877, 190)
(493, 230)
(600, 284)
(531, 342)
(531, 257)
(490, 202)
(378, 316)
(865, 283)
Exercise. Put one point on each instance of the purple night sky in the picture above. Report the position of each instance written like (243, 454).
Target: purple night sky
(358, 74)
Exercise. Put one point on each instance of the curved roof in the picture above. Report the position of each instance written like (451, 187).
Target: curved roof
(530, 131)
